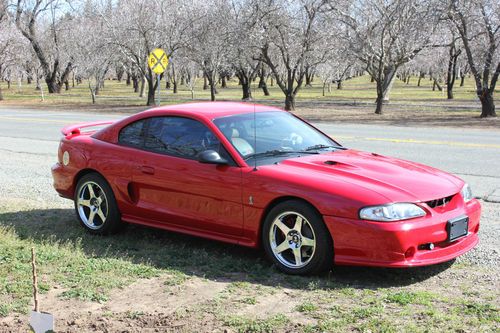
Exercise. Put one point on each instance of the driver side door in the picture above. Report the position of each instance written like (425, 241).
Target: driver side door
(174, 188)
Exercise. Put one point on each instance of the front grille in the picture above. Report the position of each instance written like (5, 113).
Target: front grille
(441, 202)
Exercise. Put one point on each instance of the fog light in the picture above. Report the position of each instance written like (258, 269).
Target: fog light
(410, 252)
(430, 246)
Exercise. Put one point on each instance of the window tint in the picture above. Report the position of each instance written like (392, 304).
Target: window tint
(133, 134)
(179, 136)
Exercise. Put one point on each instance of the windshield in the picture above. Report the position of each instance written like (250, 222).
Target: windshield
(278, 133)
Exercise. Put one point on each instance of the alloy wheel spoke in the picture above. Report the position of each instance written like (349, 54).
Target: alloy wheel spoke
(298, 256)
(100, 213)
(83, 202)
(100, 199)
(298, 224)
(91, 190)
(91, 217)
(282, 247)
(282, 226)
(307, 241)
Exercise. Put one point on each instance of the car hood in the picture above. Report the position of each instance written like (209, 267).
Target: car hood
(397, 180)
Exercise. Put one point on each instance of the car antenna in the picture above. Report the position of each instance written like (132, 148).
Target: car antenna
(254, 128)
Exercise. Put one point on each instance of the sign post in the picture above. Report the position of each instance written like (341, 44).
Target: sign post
(158, 62)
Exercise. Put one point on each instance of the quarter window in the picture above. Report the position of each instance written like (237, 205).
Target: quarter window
(133, 134)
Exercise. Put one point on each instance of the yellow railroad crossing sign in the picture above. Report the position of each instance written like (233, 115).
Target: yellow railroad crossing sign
(158, 61)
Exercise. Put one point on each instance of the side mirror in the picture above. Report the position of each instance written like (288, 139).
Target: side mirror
(211, 157)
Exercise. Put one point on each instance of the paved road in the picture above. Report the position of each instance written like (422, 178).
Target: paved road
(471, 154)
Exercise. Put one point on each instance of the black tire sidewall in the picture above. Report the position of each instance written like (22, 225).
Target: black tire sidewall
(113, 220)
(323, 255)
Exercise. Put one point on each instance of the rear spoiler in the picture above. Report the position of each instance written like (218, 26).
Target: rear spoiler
(76, 129)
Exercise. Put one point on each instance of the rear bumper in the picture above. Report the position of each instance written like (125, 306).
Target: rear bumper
(63, 180)
(401, 244)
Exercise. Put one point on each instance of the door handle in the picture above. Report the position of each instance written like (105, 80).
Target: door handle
(147, 170)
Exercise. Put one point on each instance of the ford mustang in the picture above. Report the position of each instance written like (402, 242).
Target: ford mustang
(259, 176)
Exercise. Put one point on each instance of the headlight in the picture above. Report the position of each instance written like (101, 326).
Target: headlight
(392, 212)
(466, 193)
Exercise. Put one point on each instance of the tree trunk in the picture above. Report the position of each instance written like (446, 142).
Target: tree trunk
(462, 80)
(52, 86)
(487, 104)
(141, 89)
(247, 91)
(135, 82)
(290, 101)
(223, 82)
(151, 90)
(436, 84)
(420, 77)
(211, 82)
(324, 88)
(339, 84)
(380, 98)
(1, 94)
(92, 93)
(205, 83)
(309, 77)
(408, 79)
(452, 71)
(174, 79)
(119, 74)
(66, 85)
(380, 104)
(128, 78)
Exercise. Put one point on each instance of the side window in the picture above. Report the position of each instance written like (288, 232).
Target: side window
(133, 134)
(178, 136)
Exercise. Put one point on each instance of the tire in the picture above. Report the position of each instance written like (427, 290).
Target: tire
(298, 248)
(95, 205)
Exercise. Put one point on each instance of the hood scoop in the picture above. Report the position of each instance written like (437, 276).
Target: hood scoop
(338, 164)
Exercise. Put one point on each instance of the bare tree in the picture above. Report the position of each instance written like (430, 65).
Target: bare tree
(46, 39)
(92, 56)
(385, 35)
(294, 40)
(478, 24)
(209, 44)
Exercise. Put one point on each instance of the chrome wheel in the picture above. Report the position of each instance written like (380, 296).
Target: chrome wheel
(92, 205)
(292, 239)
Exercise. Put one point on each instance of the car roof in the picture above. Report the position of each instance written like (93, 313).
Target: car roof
(211, 110)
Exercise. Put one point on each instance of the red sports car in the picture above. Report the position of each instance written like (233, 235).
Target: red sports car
(259, 176)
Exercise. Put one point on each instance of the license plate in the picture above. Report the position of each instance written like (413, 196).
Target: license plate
(457, 228)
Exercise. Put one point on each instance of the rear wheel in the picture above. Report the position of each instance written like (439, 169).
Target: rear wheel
(296, 239)
(95, 205)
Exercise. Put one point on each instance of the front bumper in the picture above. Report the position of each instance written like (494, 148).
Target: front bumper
(402, 244)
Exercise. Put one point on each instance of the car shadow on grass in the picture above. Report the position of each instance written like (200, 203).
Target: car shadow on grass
(196, 256)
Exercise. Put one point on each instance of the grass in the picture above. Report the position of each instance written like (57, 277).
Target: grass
(358, 89)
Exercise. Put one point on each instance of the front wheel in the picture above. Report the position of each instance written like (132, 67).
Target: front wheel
(296, 239)
(95, 205)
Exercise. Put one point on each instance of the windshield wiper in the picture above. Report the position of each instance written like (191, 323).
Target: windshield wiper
(277, 152)
(322, 146)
